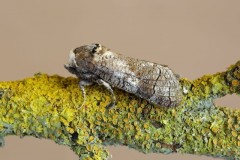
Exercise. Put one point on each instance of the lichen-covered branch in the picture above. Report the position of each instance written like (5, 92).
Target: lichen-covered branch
(48, 107)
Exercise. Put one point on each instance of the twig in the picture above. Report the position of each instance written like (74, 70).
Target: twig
(47, 107)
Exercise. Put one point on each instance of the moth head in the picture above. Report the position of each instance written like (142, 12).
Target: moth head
(88, 50)
(80, 56)
(72, 64)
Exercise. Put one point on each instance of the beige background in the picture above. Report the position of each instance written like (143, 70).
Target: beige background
(193, 37)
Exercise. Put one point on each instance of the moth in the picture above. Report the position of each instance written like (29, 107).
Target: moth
(96, 63)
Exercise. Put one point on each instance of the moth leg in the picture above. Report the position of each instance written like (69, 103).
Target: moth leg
(82, 84)
(109, 88)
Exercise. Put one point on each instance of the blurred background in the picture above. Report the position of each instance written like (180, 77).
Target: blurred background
(192, 37)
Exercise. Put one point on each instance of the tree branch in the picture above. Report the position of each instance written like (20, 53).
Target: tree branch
(48, 107)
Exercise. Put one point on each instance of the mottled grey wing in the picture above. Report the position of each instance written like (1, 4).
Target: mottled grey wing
(153, 82)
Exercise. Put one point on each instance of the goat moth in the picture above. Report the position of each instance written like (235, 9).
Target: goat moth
(151, 81)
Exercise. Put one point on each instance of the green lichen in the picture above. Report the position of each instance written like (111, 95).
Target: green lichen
(48, 107)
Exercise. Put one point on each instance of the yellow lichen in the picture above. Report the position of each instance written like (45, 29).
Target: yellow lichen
(235, 83)
(234, 134)
(48, 106)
